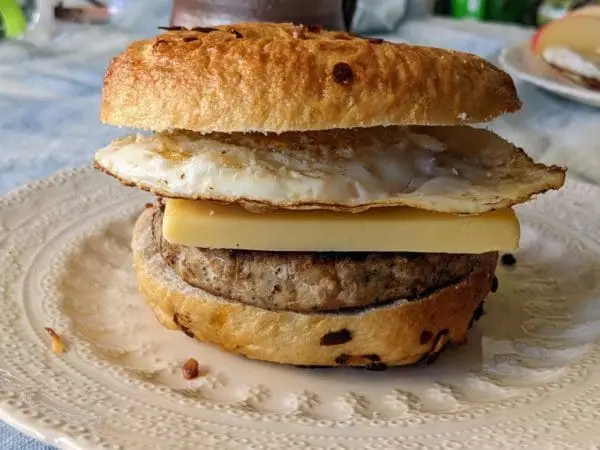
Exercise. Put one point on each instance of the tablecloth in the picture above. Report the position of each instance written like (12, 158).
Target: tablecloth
(49, 102)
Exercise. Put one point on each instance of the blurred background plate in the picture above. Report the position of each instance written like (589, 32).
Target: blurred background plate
(521, 62)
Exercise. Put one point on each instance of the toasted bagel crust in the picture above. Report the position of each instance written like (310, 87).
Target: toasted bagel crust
(397, 333)
(283, 77)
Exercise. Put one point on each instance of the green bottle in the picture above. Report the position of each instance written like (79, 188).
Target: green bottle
(13, 21)
(506, 10)
(469, 9)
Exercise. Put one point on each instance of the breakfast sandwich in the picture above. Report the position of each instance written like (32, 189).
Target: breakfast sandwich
(321, 198)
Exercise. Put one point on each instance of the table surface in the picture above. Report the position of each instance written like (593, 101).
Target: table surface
(49, 98)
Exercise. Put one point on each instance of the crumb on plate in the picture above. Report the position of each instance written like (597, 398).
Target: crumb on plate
(57, 343)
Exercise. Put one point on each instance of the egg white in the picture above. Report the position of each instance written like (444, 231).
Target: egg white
(343, 170)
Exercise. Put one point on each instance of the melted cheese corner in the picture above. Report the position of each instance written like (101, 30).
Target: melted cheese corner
(210, 225)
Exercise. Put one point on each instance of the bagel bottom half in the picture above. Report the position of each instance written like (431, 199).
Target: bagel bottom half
(397, 333)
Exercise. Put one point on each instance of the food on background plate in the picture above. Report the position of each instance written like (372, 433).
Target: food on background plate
(572, 46)
(590, 10)
(322, 200)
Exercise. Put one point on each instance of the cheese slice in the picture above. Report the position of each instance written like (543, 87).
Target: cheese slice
(210, 225)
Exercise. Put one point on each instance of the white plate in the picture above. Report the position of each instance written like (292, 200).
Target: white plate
(532, 380)
(522, 62)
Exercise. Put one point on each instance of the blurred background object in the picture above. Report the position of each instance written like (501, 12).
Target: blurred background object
(121, 12)
(332, 14)
(36, 19)
(362, 16)
(526, 12)
(18, 17)
(378, 18)
(82, 11)
(469, 9)
(13, 19)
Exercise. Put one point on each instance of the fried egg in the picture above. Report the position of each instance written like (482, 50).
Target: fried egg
(445, 169)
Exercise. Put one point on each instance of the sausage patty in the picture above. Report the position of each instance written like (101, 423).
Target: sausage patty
(314, 281)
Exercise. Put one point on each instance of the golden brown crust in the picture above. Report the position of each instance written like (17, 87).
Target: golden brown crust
(394, 334)
(283, 77)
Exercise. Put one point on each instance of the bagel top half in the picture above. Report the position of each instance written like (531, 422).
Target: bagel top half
(269, 77)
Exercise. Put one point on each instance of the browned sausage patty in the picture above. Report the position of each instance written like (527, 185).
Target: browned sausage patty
(312, 281)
